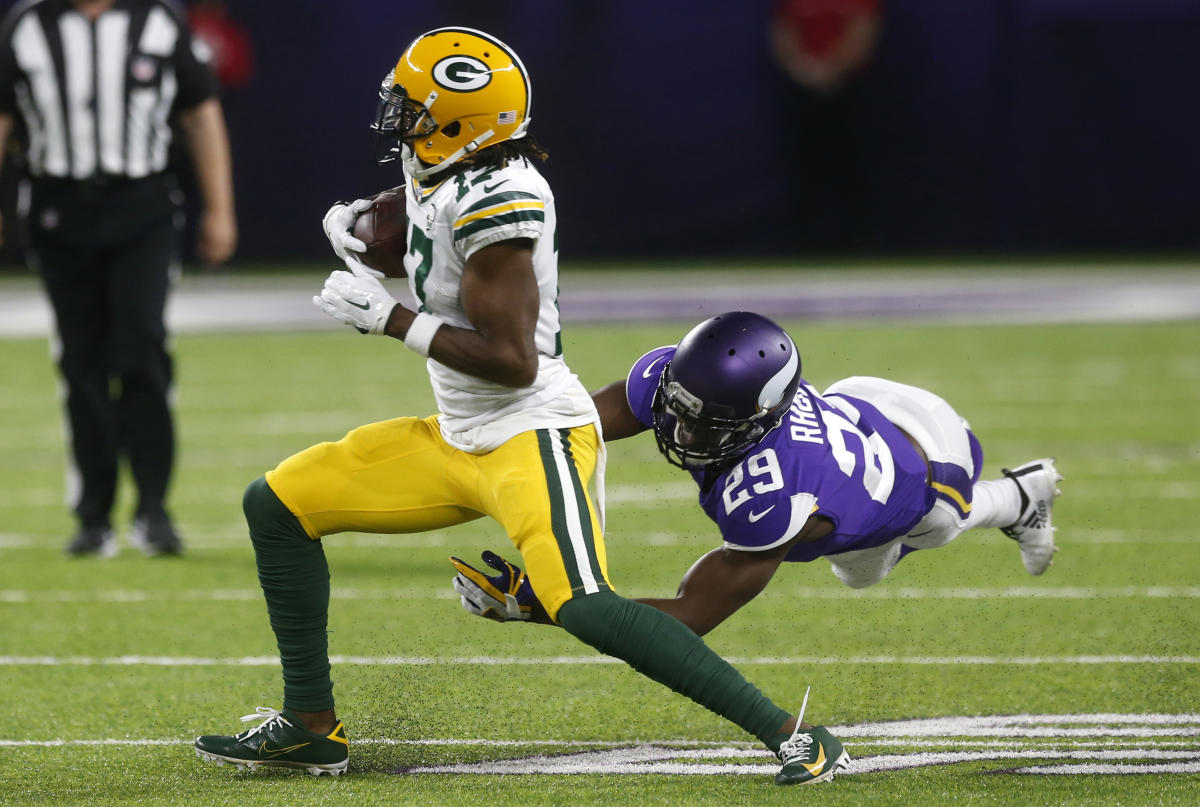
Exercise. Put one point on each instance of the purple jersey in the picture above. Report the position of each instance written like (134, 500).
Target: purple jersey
(835, 457)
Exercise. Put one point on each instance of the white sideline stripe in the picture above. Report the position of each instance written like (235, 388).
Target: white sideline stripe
(639, 759)
(883, 592)
(215, 538)
(642, 761)
(945, 731)
(450, 742)
(1078, 770)
(1021, 741)
(928, 726)
(901, 761)
(733, 745)
(650, 495)
(648, 759)
(507, 661)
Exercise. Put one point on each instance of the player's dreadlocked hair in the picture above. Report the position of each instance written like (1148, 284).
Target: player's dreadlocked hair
(496, 156)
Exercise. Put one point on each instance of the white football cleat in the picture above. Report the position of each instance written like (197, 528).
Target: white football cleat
(1037, 482)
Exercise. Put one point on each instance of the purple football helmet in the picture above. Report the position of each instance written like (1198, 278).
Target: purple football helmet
(731, 381)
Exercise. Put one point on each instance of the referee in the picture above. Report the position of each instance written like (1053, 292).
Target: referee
(92, 89)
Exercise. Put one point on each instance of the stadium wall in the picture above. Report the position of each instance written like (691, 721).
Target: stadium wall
(982, 126)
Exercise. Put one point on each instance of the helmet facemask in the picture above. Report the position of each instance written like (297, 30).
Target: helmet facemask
(398, 120)
(695, 436)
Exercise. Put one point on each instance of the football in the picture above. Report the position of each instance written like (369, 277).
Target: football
(383, 227)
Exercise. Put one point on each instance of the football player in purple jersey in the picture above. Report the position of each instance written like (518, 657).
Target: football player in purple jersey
(862, 473)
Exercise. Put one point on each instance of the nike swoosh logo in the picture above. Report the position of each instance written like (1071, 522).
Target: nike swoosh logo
(815, 768)
(363, 306)
(268, 753)
(756, 516)
(490, 188)
(646, 372)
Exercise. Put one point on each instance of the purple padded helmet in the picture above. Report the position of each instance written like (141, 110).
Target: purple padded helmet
(731, 380)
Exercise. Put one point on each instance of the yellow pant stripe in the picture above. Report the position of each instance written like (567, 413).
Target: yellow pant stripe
(952, 494)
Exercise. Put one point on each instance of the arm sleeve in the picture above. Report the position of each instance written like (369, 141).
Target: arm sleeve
(197, 82)
(767, 522)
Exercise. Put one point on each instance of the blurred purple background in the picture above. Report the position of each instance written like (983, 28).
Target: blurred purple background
(989, 126)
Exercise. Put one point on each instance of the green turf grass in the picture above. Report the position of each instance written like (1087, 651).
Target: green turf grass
(1116, 404)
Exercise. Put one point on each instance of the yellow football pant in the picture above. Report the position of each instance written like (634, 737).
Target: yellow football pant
(400, 476)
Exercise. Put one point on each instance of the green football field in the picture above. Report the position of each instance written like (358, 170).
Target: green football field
(959, 679)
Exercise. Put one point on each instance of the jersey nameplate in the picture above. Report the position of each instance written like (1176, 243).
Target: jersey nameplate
(802, 419)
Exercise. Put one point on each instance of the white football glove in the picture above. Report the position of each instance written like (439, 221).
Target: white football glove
(338, 222)
(360, 301)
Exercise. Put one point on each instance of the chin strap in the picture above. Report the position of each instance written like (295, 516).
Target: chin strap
(421, 170)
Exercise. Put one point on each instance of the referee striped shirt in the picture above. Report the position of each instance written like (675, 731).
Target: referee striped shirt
(96, 96)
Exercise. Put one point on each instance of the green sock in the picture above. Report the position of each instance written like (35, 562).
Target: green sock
(295, 580)
(661, 647)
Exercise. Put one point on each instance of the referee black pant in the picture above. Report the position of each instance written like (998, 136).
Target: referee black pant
(105, 255)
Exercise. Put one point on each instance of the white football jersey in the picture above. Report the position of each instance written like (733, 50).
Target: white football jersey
(448, 223)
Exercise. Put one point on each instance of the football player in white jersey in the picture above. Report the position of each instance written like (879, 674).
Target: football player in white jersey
(516, 435)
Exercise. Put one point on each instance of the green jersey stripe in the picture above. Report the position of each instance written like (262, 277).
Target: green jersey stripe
(514, 217)
(497, 199)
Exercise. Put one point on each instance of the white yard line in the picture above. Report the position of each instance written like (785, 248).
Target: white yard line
(882, 592)
(1076, 730)
(507, 661)
(233, 535)
(1071, 744)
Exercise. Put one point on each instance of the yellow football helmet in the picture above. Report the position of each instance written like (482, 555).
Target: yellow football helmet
(453, 92)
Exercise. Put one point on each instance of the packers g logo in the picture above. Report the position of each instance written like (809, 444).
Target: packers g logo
(462, 73)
